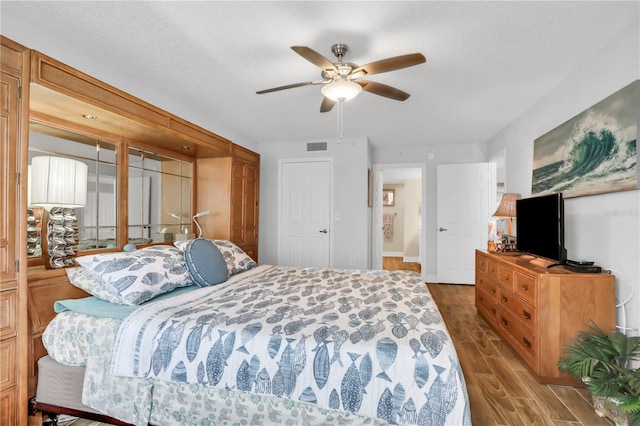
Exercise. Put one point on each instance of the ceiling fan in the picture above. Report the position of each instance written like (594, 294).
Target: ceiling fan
(344, 80)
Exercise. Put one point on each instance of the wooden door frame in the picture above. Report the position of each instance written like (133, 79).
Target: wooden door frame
(376, 215)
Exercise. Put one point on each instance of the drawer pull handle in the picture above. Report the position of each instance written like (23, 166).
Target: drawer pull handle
(505, 299)
(504, 321)
(493, 291)
(526, 342)
(525, 287)
(526, 315)
(493, 311)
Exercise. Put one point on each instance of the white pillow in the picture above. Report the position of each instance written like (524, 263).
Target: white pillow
(85, 280)
(139, 276)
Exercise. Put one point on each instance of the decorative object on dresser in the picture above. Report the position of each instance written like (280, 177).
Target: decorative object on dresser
(507, 210)
(59, 185)
(536, 310)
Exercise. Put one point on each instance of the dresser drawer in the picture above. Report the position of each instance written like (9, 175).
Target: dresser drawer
(521, 311)
(482, 264)
(487, 305)
(506, 277)
(492, 269)
(8, 313)
(7, 363)
(525, 286)
(486, 284)
(520, 339)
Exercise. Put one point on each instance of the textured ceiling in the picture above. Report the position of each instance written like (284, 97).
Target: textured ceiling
(487, 62)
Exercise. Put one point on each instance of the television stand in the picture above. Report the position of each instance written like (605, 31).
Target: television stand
(536, 311)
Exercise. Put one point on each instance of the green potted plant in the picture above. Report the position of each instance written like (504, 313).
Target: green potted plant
(604, 363)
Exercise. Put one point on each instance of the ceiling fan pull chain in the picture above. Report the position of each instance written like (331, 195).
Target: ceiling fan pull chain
(340, 136)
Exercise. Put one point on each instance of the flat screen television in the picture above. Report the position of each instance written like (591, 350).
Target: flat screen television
(540, 227)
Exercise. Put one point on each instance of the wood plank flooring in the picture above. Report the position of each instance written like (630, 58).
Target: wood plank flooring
(501, 390)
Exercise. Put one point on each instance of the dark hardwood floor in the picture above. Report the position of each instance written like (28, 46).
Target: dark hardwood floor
(501, 390)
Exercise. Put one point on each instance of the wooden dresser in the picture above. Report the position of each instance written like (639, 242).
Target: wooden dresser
(537, 310)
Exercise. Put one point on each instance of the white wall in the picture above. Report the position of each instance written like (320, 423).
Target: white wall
(89, 62)
(350, 227)
(412, 215)
(604, 228)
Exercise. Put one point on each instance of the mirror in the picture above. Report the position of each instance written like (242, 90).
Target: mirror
(159, 192)
(388, 197)
(159, 208)
(97, 219)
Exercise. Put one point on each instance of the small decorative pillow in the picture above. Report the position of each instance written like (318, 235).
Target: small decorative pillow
(83, 279)
(205, 262)
(141, 275)
(237, 260)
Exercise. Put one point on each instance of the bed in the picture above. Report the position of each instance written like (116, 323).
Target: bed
(253, 345)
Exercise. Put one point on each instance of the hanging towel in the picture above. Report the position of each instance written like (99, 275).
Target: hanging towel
(387, 224)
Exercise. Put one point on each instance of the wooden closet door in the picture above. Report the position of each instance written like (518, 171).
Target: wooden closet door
(13, 318)
(244, 206)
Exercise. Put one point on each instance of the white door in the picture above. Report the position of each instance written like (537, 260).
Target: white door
(305, 214)
(463, 218)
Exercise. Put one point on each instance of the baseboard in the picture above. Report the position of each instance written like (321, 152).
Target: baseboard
(392, 254)
(430, 278)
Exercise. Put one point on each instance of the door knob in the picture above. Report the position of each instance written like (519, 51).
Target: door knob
(441, 229)
(324, 231)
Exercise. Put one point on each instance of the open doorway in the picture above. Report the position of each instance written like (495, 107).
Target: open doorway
(398, 217)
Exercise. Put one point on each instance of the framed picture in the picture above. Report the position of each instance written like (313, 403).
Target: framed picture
(388, 197)
(592, 153)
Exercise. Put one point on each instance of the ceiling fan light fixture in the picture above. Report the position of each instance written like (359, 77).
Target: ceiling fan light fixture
(341, 90)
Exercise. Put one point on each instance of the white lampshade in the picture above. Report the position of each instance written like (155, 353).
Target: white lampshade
(58, 181)
(341, 90)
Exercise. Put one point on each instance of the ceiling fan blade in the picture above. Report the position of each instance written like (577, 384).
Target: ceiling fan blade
(391, 64)
(288, 86)
(315, 58)
(383, 90)
(327, 104)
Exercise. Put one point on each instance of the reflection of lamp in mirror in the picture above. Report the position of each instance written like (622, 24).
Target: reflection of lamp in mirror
(58, 181)
(165, 237)
(507, 209)
(59, 185)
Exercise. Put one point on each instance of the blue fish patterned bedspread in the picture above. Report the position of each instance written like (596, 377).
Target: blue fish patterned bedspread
(368, 342)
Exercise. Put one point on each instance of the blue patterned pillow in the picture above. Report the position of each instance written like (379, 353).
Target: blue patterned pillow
(205, 262)
(139, 276)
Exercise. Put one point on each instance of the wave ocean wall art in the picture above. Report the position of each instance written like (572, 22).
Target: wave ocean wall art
(592, 153)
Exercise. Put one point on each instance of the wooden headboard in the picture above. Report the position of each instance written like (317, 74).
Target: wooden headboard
(45, 287)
